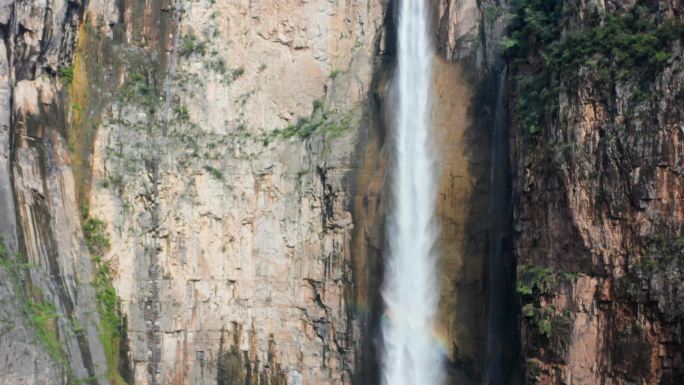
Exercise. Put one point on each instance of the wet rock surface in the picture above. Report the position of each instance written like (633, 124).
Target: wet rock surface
(596, 198)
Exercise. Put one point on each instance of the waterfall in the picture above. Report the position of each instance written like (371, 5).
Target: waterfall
(411, 354)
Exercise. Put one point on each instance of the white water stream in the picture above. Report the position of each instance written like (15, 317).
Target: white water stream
(411, 354)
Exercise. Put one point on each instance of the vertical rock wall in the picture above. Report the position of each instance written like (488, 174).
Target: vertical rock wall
(49, 327)
(597, 187)
(225, 172)
(235, 154)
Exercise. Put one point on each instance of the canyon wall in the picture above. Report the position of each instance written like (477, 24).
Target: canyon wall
(193, 191)
(596, 139)
(197, 160)
(226, 177)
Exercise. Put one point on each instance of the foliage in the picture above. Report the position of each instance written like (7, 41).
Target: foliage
(214, 172)
(108, 304)
(237, 72)
(191, 45)
(534, 283)
(615, 47)
(137, 89)
(182, 113)
(66, 74)
(492, 12)
(95, 236)
(41, 315)
(322, 119)
(534, 280)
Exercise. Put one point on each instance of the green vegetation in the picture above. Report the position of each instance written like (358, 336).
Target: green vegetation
(137, 90)
(217, 65)
(182, 113)
(333, 74)
(40, 314)
(66, 74)
(237, 72)
(214, 172)
(95, 235)
(192, 45)
(42, 317)
(233, 74)
(536, 284)
(536, 280)
(108, 304)
(615, 47)
(492, 12)
(322, 119)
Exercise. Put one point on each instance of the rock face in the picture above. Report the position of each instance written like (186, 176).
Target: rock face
(225, 173)
(195, 190)
(225, 191)
(597, 187)
(49, 317)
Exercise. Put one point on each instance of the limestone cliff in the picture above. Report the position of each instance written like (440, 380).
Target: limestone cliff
(49, 317)
(192, 192)
(195, 160)
(596, 107)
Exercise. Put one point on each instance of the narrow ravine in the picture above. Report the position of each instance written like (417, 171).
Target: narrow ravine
(411, 354)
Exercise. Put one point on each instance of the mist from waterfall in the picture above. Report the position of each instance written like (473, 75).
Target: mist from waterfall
(411, 354)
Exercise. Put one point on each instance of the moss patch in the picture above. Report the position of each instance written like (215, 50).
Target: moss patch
(108, 304)
(41, 315)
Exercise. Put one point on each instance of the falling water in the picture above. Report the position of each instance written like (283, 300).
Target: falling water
(411, 354)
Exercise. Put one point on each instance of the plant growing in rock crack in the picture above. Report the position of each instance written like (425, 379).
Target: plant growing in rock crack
(182, 113)
(214, 172)
(323, 119)
(534, 284)
(138, 91)
(192, 45)
(66, 74)
(108, 304)
(41, 314)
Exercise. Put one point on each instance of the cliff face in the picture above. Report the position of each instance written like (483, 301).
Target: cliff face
(192, 192)
(596, 107)
(225, 173)
(198, 189)
(207, 150)
(50, 319)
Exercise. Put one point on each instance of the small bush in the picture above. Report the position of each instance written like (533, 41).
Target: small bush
(544, 320)
(214, 172)
(191, 45)
(66, 74)
(95, 236)
(182, 113)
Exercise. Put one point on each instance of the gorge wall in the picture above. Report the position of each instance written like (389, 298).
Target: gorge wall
(596, 141)
(194, 192)
(198, 189)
